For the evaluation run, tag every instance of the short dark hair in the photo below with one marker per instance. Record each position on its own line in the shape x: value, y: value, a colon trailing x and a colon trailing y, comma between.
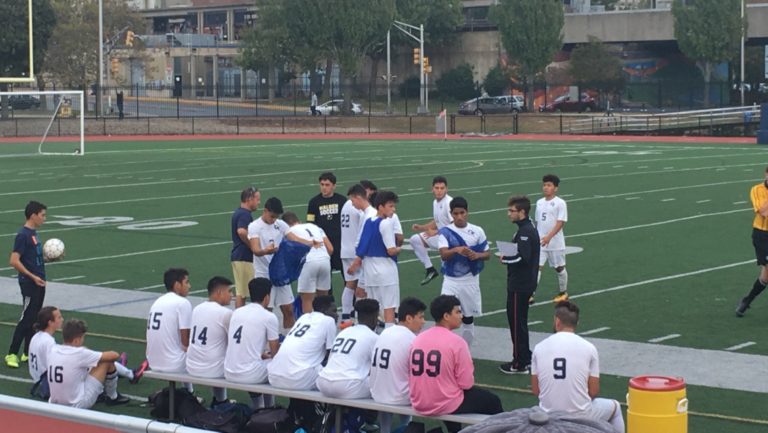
x: 520, y: 202
x: 321, y: 304
x: 439, y: 179
x: 551, y: 178
x: 43, y: 317
x: 410, y: 307
x: 259, y: 288
x: 34, y: 207
x: 372, y: 198
x: 216, y: 282
x: 290, y: 218
x: 274, y: 205
x: 384, y: 197
x: 357, y: 190
x: 366, y: 309
x: 568, y: 313
x: 367, y: 184
x: 442, y: 305
x: 172, y: 276
x: 459, y: 202
x: 73, y: 328
x: 247, y: 193
x: 327, y: 176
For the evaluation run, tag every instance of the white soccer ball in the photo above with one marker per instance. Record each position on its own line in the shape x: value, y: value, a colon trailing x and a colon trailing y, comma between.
x: 53, y: 249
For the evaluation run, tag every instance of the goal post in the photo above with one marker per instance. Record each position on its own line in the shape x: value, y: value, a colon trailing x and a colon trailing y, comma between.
x: 52, y: 121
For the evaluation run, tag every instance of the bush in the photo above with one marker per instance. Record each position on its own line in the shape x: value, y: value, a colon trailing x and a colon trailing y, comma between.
x: 412, y: 85
x: 496, y: 82
x: 457, y: 83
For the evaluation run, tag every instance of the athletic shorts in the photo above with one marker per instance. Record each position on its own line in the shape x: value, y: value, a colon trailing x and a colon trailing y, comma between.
x: 388, y: 296
x: 258, y: 375
x: 243, y: 273
x: 91, y: 392
x: 280, y: 295
x: 430, y: 241
x: 346, y: 389
x: 300, y: 380
x: 468, y: 292
x: 345, y: 264
x: 603, y: 409
x: 760, y: 241
x: 556, y: 258
x: 315, y: 275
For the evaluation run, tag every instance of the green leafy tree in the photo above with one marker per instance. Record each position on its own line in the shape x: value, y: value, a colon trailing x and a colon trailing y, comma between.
x: 708, y: 32
x: 593, y: 66
x: 530, y: 33
x: 496, y: 81
x: 457, y: 83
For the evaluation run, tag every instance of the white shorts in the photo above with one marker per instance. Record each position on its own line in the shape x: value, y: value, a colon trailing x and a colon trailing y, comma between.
x: 91, y: 392
x: 347, y: 389
x: 302, y: 380
x: 280, y: 295
x: 345, y: 264
x: 556, y: 258
x: 315, y: 275
x: 468, y: 292
x: 431, y: 241
x: 388, y: 296
x: 603, y: 409
x: 258, y: 375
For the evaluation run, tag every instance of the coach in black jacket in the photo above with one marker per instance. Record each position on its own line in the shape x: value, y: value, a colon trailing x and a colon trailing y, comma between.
x: 522, y: 273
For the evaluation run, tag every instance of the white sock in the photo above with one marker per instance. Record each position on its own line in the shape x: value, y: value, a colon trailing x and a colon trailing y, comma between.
x: 562, y: 279
x: 538, y: 278
x: 420, y: 250
x: 347, y: 300
x: 257, y: 400
x: 269, y: 400
x: 468, y: 333
x: 220, y: 394
x: 189, y: 386
x: 110, y: 385
x: 123, y: 371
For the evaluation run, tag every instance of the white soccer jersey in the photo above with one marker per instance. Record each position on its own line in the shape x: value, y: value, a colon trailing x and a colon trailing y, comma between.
x: 305, y: 345
x: 351, y: 354
x: 311, y: 232
x: 168, y: 315
x: 208, y: 340
x: 548, y: 213
x: 382, y: 271
x: 352, y: 220
x: 267, y: 234
x: 251, y: 328
x: 38, y: 354
x: 68, y: 368
x: 391, y: 365
x: 441, y: 211
x: 563, y: 363
x: 397, y: 226
x: 472, y: 235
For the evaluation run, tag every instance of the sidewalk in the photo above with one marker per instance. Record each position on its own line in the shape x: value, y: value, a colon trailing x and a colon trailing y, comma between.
x: 713, y: 368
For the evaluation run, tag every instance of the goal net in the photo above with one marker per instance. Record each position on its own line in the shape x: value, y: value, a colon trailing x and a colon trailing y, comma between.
x: 42, y: 122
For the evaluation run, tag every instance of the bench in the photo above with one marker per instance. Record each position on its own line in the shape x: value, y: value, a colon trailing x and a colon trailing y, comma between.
x: 339, y: 403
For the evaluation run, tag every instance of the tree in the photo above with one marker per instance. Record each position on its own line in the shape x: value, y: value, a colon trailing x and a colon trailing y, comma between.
x: 457, y: 83
x: 496, y: 81
x: 530, y: 33
x: 708, y: 32
x: 593, y: 66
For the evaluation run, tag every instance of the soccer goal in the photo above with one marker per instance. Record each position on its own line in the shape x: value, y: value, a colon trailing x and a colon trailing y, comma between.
x: 42, y: 122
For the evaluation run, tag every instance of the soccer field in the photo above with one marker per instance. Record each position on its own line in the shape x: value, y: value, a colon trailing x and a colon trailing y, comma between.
x: 659, y: 234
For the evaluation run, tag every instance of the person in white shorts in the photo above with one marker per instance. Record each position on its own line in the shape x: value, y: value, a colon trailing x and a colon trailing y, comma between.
x: 463, y: 248
x: 427, y: 232
x: 391, y: 360
x: 305, y: 348
x: 565, y: 372
x: 265, y: 234
x: 78, y: 375
x: 253, y: 340
x: 315, y: 277
x: 376, y: 253
x: 551, y: 216
x: 208, y: 339
x: 352, y: 219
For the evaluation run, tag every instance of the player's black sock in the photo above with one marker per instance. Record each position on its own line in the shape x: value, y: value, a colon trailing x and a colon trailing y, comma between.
x: 757, y: 288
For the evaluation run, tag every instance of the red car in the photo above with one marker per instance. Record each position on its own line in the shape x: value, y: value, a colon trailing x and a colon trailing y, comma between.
x: 565, y: 103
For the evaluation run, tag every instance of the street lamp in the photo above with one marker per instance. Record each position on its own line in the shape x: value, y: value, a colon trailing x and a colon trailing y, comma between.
x: 408, y: 30
x: 741, y: 88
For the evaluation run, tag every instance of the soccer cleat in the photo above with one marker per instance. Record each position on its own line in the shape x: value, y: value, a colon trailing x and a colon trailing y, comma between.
x: 123, y: 359
x: 120, y: 399
x: 510, y: 368
x: 24, y: 357
x: 138, y: 372
x: 346, y: 324
x: 430, y: 275
x: 12, y: 360
x: 740, y: 310
x: 563, y: 296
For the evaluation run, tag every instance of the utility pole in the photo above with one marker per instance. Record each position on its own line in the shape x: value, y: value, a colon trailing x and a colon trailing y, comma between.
x: 741, y: 87
x: 99, y: 100
x: 410, y: 30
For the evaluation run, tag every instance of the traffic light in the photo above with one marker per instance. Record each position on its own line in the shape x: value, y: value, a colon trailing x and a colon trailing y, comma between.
x: 416, y: 56
x: 115, y: 66
x: 426, y: 63
x: 129, y: 35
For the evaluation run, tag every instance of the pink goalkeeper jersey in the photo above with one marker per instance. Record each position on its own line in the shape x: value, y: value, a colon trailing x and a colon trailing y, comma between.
x: 440, y: 370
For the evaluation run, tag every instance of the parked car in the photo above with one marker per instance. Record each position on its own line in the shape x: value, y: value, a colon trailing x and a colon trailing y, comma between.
x: 334, y: 107
x: 515, y: 102
x: 490, y: 105
x: 23, y: 102
x: 565, y: 103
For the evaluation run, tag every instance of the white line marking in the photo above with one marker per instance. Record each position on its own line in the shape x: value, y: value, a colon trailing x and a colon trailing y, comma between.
x: 740, y: 346
x: 156, y: 286
x: 740, y: 202
x: 664, y: 338
x: 284, y: 184
x: 414, y: 189
x: 642, y: 166
x: 107, y: 282
x: 703, y: 201
x: 498, y: 193
x: 474, y: 192
x: 595, y: 331
x: 668, y: 168
x: 69, y: 278
x: 618, y: 166
x: 632, y: 198
x: 638, y: 283
x: 668, y: 199
x: 535, y: 323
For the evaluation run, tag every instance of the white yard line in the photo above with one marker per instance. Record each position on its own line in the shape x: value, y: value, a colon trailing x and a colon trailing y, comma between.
x: 69, y: 278
x: 740, y: 346
x: 595, y: 331
x: 107, y: 282
x: 664, y: 338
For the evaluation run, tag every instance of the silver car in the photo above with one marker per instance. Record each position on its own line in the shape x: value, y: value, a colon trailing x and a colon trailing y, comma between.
x: 490, y: 105
x: 333, y: 107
